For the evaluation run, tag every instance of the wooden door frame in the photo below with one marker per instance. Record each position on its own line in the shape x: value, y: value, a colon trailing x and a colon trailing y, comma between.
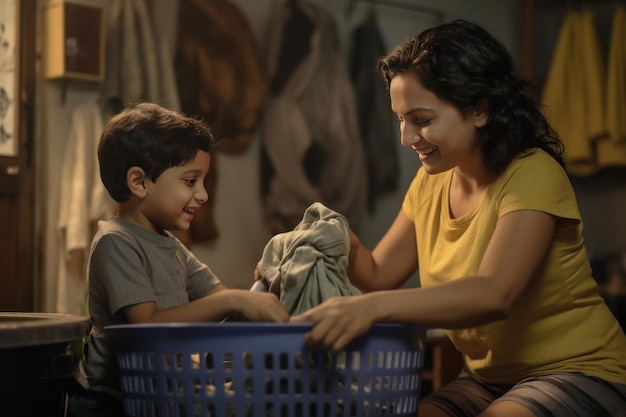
x: 27, y: 224
x: 19, y: 173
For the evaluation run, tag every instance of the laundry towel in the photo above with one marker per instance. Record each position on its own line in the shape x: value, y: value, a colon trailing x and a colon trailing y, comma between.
x: 574, y: 90
x: 611, y: 149
x: 616, y: 79
x: 83, y: 201
x: 309, y: 264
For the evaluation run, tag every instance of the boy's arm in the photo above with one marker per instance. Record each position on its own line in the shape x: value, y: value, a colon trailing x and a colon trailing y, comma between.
x: 129, y: 277
x: 215, y: 306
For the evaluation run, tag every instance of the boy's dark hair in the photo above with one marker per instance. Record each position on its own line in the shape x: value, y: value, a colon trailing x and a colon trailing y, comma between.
x: 463, y: 64
x: 152, y: 138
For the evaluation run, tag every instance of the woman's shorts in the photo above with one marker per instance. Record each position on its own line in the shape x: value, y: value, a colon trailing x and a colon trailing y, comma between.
x: 553, y: 395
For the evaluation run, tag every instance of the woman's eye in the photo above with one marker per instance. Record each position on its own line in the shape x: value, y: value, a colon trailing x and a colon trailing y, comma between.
x: 416, y: 121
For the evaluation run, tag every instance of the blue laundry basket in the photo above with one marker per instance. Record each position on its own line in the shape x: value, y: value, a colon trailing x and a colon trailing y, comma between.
x: 243, y: 369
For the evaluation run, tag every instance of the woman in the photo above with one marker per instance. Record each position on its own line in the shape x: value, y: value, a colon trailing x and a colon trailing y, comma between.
x: 492, y: 223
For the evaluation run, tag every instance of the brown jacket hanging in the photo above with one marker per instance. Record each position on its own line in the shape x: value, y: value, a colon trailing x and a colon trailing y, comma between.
x: 220, y: 78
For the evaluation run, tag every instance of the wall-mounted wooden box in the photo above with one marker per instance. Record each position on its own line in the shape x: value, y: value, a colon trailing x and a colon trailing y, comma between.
x: 73, y: 41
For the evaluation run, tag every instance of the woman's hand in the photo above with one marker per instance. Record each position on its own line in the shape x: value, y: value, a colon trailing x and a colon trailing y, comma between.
x: 337, y: 321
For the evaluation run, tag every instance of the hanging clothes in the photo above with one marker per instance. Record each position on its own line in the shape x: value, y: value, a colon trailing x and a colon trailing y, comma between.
x: 310, y: 135
x: 584, y: 100
x: 574, y: 90
x: 611, y: 149
x: 616, y: 78
x: 139, y: 64
x: 220, y: 77
x: 376, y: 120
x: 308, y: 265
x: 83, y: 201
x: 139, y: 68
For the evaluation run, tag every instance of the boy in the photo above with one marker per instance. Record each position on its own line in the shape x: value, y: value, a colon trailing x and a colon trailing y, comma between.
x: 153, y: 163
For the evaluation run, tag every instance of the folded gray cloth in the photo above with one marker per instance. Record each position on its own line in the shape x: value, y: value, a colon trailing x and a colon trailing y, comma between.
x: 308, y: 265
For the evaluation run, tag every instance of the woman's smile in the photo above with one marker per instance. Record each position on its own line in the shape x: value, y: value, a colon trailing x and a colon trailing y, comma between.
x: 425, y: 152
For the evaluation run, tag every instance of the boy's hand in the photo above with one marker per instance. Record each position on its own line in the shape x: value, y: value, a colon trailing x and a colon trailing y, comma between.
x: 257, y: 274
x: 263, y: 306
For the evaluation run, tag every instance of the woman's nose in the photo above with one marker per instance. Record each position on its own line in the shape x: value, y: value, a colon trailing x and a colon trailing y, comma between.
x: 408, y: 138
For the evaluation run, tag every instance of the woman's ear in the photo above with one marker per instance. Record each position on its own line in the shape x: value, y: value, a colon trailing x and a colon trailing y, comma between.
x: 136, y: 180
x: 481, y: 113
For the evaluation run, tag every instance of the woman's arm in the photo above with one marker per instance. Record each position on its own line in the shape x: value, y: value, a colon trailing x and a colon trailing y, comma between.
x: 517, y: 249
x: 390, y: 264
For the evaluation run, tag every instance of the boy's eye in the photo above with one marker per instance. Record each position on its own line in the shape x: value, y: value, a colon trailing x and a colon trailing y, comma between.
x: 190, y: 181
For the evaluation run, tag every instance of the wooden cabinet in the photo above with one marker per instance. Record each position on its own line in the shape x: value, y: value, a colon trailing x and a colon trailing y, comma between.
x: 74, y: 40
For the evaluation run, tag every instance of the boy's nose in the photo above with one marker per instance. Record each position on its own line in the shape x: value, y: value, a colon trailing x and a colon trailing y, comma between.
x: 202, y: 196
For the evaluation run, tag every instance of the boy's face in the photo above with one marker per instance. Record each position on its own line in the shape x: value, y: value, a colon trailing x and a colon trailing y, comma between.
x: 171, y: 200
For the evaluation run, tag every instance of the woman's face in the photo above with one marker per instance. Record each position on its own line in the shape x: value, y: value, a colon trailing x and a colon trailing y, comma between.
x: 442, y: 136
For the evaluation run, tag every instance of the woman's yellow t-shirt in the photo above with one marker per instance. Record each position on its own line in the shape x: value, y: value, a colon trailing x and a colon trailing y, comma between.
x: 560, y: 323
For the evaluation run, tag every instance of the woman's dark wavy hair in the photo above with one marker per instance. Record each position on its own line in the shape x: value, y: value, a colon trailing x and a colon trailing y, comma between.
x: 152, y: 138
x: 463, y: 64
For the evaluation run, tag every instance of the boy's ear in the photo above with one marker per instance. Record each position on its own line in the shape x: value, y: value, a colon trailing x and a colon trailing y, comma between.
x: 136, y: 180
x: 481, y: 113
